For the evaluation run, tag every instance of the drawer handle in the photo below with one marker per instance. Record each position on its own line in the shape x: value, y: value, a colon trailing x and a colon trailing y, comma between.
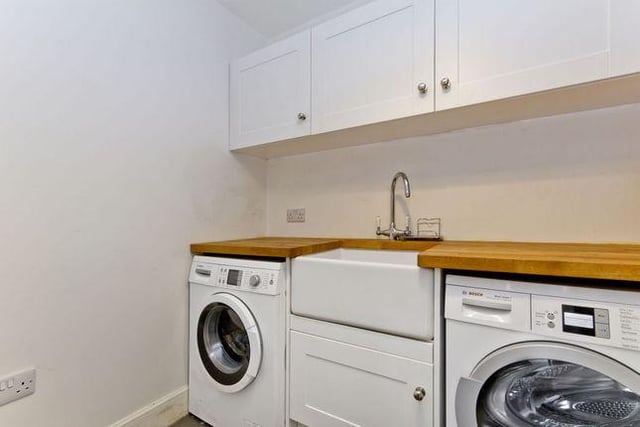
x: 500, y: 306
x: 203, y: 272
x: 419, y: 393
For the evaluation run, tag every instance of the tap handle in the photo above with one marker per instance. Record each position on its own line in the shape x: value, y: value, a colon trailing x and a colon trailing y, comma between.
x: 407, y: 229
x: 378, y: 229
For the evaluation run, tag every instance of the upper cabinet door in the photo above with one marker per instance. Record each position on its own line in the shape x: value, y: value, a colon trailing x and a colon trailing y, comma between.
x: 494, y: 49
x: 625, y: 37
x: 270, y: 93
x: 373, y: 64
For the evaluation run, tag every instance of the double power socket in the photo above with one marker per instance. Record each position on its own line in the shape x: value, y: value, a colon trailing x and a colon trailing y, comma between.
x: 296, y: 215
x: 17, y: 386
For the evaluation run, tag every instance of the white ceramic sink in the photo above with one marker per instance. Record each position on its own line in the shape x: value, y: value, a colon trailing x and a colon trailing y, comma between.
x: 408, y: 258
x: 379, y: 290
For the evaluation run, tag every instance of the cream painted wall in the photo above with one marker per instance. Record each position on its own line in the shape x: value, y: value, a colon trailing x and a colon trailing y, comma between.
x: 574, y: 177
x: 113, y: 158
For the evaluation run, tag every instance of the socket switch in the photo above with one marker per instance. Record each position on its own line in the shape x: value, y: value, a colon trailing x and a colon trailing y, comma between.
x: 295, y: 215
x: 17, y: 386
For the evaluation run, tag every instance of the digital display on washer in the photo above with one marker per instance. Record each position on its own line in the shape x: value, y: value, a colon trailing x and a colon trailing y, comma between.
x: 578, y: 320
x: 234, y: 277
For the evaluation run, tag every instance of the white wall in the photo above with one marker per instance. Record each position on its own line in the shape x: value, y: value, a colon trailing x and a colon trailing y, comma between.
x: 566, y: 178
x: 113, y: 133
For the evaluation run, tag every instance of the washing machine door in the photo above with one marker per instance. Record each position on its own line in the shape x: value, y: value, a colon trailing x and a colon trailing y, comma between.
x: 548, y: 384
x: 229, y: 342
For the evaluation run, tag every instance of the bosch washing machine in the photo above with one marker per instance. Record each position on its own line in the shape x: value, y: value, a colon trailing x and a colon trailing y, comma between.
x: 533, y: 354
x: 237, y: 338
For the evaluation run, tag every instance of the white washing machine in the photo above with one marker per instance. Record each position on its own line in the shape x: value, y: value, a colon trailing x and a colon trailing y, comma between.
x: 237, y: 338
x: 530, y: 354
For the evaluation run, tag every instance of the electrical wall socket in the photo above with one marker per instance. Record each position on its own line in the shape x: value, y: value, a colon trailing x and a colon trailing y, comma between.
x: 295, y: 215
x: 17, y: 386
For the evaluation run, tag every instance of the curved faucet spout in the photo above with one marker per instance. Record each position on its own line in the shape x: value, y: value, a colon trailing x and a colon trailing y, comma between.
x: 405, y: 181
x: 393, y: 231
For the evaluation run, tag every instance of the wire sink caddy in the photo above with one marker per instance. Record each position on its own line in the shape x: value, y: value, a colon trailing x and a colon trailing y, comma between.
x: 429, y: 228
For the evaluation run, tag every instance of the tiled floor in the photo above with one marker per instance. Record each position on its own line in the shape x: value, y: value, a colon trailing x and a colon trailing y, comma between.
x: 190, y: 421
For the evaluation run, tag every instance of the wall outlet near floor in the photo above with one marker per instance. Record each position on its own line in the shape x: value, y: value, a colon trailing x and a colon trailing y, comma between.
x: 295, y: 215
x: 17, y: 386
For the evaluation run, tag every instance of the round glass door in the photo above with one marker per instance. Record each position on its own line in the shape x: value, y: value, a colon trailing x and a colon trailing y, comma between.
x: 543, y: 392
x: 540, y: 383
x: 229, y: 343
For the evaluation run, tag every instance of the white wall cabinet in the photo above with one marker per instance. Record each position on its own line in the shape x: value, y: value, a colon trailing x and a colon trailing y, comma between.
x: 335, y: 384
x: 270, y: 93
x: 373, y: 64
x: 497, y: 49
x: 398, y: 59
x: 625, y: 37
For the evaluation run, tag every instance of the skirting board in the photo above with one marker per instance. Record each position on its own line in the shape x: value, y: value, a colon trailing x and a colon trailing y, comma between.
x: 162, y: 412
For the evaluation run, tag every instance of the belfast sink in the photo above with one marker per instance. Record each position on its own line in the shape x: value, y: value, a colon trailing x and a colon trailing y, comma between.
x: 379, y: 290
x: 405, y: 258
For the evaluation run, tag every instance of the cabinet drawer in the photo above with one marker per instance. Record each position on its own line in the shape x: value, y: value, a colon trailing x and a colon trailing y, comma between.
x: 338, y: 384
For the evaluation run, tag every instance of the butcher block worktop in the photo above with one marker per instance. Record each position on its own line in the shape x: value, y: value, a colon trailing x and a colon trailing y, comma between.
x: 595, y: 261
x: 290, y: 247
x: 283, y: 247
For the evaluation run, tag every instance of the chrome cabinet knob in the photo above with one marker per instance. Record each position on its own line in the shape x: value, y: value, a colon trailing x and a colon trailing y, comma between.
x: 419, y: 393
x: 445, y: 83
x: 422, y: 88
x: 302, y: 116
x: 254, y: 280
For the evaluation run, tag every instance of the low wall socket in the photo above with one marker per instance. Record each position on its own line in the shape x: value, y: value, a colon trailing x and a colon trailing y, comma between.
x: 295, y: 215
x: 17, y: 386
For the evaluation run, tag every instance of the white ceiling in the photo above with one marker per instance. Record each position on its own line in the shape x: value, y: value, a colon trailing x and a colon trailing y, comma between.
x: 273, y: 18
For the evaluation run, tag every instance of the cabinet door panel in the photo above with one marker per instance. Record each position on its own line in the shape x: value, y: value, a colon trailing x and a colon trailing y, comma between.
x: 625, y: 37
x: 368, y: 63
x: 338, y: 384
x: 501, y: 48
x: 269, y: 88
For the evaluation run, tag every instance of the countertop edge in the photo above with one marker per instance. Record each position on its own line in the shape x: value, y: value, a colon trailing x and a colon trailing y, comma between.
x: 222, y: 248
x: 594, y: 269
x: 607, y: 261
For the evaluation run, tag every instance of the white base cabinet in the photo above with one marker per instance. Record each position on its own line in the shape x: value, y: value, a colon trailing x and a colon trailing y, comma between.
x: 353, y: 379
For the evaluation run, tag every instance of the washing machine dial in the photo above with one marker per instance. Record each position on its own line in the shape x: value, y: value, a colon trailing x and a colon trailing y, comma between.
x: 254, y: 280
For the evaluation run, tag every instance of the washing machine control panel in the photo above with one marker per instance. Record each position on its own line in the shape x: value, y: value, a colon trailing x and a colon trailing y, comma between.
x: 248, y: 279
x: 244, y: 278
x: 616, y: 325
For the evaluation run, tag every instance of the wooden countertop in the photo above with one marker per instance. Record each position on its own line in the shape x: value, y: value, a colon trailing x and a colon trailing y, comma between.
x: 282, y: 247
x: 290, y: 247
x: 386, y: 244
x: 595, y: 261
